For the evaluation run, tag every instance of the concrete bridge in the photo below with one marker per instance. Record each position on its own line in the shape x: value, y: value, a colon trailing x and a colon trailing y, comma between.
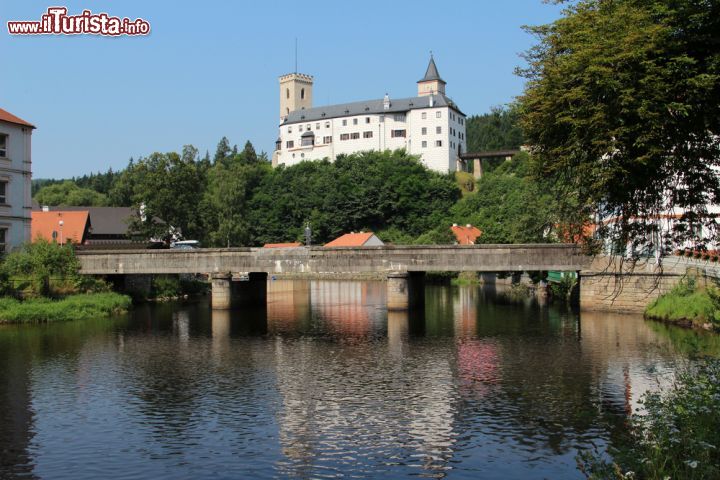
x: 404, y: 266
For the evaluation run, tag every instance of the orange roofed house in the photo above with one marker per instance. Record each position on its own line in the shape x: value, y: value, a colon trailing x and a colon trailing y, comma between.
x: 362, y: 239
x: 465, y: 235
x: 61, y: 226
x: 283, y: 245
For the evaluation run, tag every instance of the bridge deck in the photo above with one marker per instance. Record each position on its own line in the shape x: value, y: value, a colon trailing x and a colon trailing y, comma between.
x: 427, y: 258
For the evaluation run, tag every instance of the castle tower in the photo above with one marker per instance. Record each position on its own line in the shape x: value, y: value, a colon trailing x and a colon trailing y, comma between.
x: 295, y: 93
x: 431, y: 83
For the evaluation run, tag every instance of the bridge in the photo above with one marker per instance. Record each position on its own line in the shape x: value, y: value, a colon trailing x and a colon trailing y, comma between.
x: 404, y: 266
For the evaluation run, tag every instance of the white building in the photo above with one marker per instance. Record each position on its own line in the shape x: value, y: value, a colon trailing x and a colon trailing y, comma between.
x: 15, y: 180
x: 429, y: 125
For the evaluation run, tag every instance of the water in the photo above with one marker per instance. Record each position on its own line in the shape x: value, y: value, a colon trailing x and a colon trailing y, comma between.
x: 325, y: 383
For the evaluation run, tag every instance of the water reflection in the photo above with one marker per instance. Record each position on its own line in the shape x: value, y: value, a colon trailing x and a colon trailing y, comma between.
x: 325, y: 382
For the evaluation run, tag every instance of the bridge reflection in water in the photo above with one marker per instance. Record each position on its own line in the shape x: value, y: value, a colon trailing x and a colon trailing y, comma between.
x: 324, y: 381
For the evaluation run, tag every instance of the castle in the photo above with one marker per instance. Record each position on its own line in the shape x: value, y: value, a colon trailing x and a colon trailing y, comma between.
x: 429, y: 125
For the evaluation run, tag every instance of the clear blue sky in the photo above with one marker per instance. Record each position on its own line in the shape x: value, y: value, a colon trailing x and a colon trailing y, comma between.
x: 210, y: 69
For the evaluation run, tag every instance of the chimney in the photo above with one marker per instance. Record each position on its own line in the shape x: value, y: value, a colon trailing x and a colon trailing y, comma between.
x: 432, y: 100
x: 386, y: 102
x: 45, y: 208
x: 468, y: 225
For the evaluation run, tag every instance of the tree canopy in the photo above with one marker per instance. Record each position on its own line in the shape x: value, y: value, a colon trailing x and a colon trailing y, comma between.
x: 622, y: 109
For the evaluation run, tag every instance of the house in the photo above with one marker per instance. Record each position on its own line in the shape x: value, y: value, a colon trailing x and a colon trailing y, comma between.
x: 61, y: 226
x: 465, y: 235
x: 283, y: 245
x: 361, y: 239
x: 15, y: 180
x: 429, y: 125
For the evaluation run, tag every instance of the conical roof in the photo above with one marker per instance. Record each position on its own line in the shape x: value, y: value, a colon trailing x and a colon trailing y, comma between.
x: 431, y: 73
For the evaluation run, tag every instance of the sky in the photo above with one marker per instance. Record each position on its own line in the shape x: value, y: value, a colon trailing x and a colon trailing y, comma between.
x: 210, y: 69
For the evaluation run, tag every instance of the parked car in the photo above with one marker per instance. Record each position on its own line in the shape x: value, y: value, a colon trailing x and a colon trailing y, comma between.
x: 185, y: 244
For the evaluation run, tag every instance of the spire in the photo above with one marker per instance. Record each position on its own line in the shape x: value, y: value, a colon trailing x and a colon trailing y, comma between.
x: 431, y: 73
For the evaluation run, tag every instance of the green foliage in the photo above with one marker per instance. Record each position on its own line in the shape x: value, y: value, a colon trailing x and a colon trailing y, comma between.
x: 687, y: 303
x: 508, y: 207
x: 562, y: 290
x: 76, y: 307
x: 172, y: 286
x: 622, y: 106
x: 677, y: 437
x: 68, y: 193
x: 497, y: 130
x: 39, y: 261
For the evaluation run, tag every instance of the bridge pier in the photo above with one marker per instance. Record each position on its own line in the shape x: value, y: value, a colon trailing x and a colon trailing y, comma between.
x: 405, y: 290
x: 227, y: 294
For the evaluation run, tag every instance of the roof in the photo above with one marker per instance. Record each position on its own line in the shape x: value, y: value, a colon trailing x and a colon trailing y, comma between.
x: 75, y: 224
x: 365, y: 107
x: 351, y: 240
x: 6, y: 116
x: 466, y: 235
x: 283, y: 245
x: 431, y: 74
x: 105, y: 220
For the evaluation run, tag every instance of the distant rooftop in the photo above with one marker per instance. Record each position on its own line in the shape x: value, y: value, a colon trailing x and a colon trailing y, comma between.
x: 6, y: 116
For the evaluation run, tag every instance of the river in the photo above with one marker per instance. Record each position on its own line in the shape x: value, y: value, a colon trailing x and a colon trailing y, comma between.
x: 325, y: 383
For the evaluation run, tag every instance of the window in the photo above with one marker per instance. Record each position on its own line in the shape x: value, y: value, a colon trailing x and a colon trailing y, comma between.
x: 344, y: 136
x: 424, y: 130
x: 438, y: 143
x: 327, y: 124
x: 289, y: 144
x: 3, y: 191
x: 287, y: 93
x: 400, y: 117
x: 344, y: 123
x: 302, y: 94
x: 354, y: 121
x: 397, y: 133
x: 307, y: 127
x: 3, y: 146
x: 3, y: 235
x: 424, y: 144
x: 317, y: 126
x: 438, y: 129
x: 367, y: 119
x: 302, y: 155
x: 368, y: 134
x: 355, y: 136
x: 307, y: 141
x: 327, y: 140
x: 289, y: 129
x: 424, y: 115
x: 438, y: 114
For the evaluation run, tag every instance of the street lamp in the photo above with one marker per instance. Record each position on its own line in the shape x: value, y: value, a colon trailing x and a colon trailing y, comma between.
x: 308, y: 234
x: 61, y: 223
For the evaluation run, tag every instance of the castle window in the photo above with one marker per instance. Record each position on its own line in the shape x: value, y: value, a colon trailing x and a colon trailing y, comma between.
x: 307, y: 127
x: 367, y: 119
x: 327, y: 124
x: 327, y: 140
x: 424, y: 115
x: 438, y: 129
x: 424, y: 130
x: 354, y: 121
x: 355, y: 135
x: 287, y: 93
x: 3, y: 192
x: 438, y: 114
x: 438, y: 143
x: 307, y: 141
x: 302, y: 94
x: 302, y: 155
x: 289, y: 129
x: 424, y: 144
x: 399, y: 117
x: 344, y: 136
x: 344, y: 123
x: 317, y: 126
x: 368, y: 134
x: 3, y: 146
x: 397, y: 133
x: 3, y: 236
x: 289, y: 144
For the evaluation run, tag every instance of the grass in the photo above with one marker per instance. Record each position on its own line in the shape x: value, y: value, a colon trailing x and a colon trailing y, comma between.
x: 74, y: 307
x: 688, y: 305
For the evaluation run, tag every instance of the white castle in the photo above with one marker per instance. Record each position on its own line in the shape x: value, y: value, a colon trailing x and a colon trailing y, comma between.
x: 429, y: 125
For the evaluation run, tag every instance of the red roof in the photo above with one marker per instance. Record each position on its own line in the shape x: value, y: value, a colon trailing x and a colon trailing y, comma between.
x: 75, y: 225
x: 282, y: 245
x: 6, y: 116
x: 351, y: 240
x: 466, y: 235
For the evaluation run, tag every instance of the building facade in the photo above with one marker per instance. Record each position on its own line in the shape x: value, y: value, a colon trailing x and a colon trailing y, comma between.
x: 15, y: 181
x: 429, y: 125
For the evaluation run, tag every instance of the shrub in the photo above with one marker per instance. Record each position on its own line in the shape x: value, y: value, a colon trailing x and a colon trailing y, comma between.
x: 75, y: 307
x: 687, y: 303
x: 678, y: 436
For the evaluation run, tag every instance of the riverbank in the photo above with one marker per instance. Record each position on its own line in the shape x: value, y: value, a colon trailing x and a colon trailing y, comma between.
x: 73, y: 307
x: 689, y: 304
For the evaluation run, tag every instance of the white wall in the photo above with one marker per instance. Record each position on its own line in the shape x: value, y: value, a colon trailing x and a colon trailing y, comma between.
x: 15, y: 170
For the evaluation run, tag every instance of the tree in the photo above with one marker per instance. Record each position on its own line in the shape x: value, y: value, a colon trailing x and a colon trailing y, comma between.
x: 497, y: 130
x: 622, y: 109
x: 68, y: 193
x: 222, y: 151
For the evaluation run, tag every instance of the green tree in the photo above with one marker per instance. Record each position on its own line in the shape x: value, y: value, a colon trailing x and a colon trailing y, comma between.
x: 68, y: 193
x: 223, y: 150
x: 622, y: 108
x: 41, y: 261
x: 497, y: 130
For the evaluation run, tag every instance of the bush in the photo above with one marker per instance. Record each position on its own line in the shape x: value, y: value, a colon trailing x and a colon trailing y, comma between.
x: 35, y: 264
x: 678, y: 436
x: 75, y: 307
x: 687, y: 303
